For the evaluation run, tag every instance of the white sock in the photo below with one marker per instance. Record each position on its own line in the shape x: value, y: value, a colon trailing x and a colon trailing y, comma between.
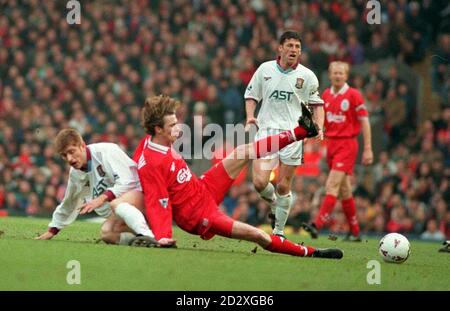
x: 133, y: 218
x: 283, y: 206
x: 268, y: 195
x: 125, y: 238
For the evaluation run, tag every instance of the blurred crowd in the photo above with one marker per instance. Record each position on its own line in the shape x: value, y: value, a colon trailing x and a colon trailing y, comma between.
x: 95, y: 76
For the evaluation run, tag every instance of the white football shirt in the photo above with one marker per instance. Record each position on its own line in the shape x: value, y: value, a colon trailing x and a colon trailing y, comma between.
x: 109, y: 170
x: 281, y: 92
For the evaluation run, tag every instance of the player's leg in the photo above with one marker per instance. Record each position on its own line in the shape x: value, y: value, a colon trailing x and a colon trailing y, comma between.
x: 333, y: 183
x: 242, y: 154
x: 129, y: 207
x: 332, y: 186
x: 263, y: 147
x: 283, y: 197
x: 115, y: 231
x: 220, y: 224
x: 277, y: 244
x: 348, y: 205
x: 271, y: 144
x: 262, y: 169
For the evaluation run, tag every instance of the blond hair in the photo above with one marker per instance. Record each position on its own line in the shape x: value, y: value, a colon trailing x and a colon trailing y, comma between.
x: 66, y: 138
x: 340, y: 63
x: 155, y: 109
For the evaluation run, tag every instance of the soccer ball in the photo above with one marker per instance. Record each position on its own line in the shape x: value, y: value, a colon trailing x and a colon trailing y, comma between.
x: 394, y: 247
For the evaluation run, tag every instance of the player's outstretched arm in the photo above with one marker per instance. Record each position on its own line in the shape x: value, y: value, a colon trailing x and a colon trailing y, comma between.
x: 66, y: 212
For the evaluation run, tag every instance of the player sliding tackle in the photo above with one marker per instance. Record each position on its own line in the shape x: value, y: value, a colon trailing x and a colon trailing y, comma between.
x: 102, y: 178
x: 172, y: 191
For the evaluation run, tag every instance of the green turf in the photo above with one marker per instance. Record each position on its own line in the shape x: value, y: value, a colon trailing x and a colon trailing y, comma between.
x: 219, y: 264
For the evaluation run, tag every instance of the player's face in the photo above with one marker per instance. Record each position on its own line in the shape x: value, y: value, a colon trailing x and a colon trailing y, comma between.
x: 171, y: 130
x: 290, y: 52
x: 338, y: 76
x: 75, y: 155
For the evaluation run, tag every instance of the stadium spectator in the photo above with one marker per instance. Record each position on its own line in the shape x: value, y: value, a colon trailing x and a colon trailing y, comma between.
x: 432, y: 233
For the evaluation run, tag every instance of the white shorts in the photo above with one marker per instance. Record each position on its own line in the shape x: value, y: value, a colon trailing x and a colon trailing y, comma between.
x: 289, y: 155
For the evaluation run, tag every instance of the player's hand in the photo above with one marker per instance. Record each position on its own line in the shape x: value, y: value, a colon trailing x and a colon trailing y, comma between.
x: 367, y: 157
x: 92, y: 205
x: 249, y: 122
x: 45, y: 236
x: 167, y: 242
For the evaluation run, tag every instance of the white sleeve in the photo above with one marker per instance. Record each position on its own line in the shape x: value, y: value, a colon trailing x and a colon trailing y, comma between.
x: 124, y: 171
x: 254, y: 88
x: 313, y: 90
x: 66, y: 212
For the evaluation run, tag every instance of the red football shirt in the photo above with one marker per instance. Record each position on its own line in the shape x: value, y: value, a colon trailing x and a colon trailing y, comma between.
x: 170, y: 189
x: 343, y: 112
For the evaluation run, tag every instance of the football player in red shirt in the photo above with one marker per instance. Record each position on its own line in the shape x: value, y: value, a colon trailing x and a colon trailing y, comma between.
x: 345, y: 116
x: 172, y: 191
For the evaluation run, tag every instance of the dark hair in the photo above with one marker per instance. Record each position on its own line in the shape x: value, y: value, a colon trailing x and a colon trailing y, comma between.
x: 155, y: 109
x: 290, y: 34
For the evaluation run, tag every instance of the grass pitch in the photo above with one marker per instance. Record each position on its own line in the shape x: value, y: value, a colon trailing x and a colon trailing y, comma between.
x: 218, y: 264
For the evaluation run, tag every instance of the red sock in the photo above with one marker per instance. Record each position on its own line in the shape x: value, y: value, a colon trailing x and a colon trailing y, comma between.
x: 348, y: 206
x: 325, y: 210
x: 271, y: 144
x: 281, y: 245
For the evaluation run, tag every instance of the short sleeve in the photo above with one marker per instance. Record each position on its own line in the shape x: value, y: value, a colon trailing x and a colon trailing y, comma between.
x: 360, y: 107
x: 313, y: 90
x: 254, y: 88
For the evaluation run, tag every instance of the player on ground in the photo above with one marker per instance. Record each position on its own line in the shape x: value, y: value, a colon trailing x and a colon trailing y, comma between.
x: 346, y: 114
x: 102, y: 178
x: 281, y: 86
x: 172, y: 192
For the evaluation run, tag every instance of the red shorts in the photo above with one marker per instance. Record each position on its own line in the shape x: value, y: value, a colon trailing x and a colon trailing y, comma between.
x: 342, y: 153
x: 214, y: 221
x: 217, y: 181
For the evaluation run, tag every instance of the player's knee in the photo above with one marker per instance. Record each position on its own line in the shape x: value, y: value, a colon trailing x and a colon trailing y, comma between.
x: 345, y: 193
x: 283, y: 187
x: 107, y: 236
x: 106, y: 232
x: 113, y: 204
x: 332, y: 186
x: 260, y: 182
